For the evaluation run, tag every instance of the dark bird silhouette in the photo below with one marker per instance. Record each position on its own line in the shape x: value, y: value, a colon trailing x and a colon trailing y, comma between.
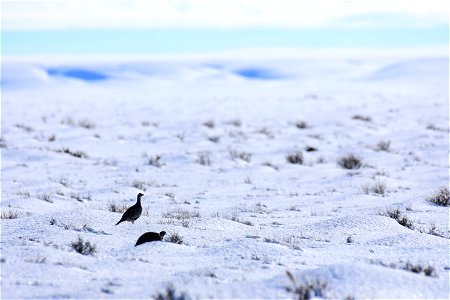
x: 134, y: 212
x: 150, y: 237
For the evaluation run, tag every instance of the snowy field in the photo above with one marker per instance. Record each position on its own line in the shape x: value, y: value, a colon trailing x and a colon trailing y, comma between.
x: 208, y: 140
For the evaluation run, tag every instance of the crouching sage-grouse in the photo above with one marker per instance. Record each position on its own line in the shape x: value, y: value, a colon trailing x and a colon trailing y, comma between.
x: 150, y: 237
x: 134, y: 212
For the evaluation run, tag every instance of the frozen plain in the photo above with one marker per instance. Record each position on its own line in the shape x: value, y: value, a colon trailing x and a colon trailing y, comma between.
x: 223, y: 127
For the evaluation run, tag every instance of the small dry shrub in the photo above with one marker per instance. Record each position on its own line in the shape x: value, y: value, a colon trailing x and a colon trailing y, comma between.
x: 245, y: 156
x: 306, y: 290
x: 143, y: 185
x: 399, y: 217
x: 214, y: 139
x: 85, y: 123
x: 78, y: 154
x: 378, y: 187
x: 9, y: 214
x: 435, y: 128
x: 85, y: 248
x: 441, y: 197
x: 428, y: 270
x: 25, y: 127
x: 310, y: 149
x: 79, y: 197
x: 182, y: 216
x: 174, y: 238
x: 155, y: 161
x: 295, y: 158
x: 418, y: 268
x: 204, y: 158
x: 3, y: 143
x: 209, y: 124
x: 383, y: 146
x: 265, y: 131
x: 25, y: 194
x: 270, y: 165
x: 301, y: 125
x: 350, y: 162
x: 47, y: 197
x: 236, y: 122
x: 362, y: 118
x: 171, y: 294
x: 119, y: 208
x: 65, y: 182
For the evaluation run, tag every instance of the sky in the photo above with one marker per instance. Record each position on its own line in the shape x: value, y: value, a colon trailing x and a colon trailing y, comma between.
x: 176, y: 26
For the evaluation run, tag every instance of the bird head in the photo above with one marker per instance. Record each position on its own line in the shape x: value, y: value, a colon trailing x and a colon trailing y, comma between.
x: 162, y: 234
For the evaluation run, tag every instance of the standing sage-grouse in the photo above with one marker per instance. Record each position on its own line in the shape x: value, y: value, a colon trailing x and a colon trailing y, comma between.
x: 134, y: 212
x: 150, y: 237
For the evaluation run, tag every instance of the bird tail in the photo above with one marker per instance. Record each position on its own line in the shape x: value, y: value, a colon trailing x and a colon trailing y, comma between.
x: 119, y: 222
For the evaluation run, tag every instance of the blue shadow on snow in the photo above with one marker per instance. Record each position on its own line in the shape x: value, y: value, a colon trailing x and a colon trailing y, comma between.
x: 81, y: 74
x: 258, y: 73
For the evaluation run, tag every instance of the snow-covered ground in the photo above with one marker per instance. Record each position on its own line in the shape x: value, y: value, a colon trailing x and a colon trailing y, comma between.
x: 223, y: 127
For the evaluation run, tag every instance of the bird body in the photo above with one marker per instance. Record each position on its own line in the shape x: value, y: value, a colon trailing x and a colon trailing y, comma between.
x: 150, y: 237
x: 132, y: 213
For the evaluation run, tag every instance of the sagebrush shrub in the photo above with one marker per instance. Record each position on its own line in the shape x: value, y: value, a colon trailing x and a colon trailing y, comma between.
x: 85, y: 248
x: 9, y: 214
x: 155, y: 161
x: 350, y: 162
x: 174, y: 238
x: 399, y: 217
x: 306, y: 290
x: 171, y: 294
x: 441, y: 197
x: 383, y: 146
x: 204, y: 158
x: 295, y: 158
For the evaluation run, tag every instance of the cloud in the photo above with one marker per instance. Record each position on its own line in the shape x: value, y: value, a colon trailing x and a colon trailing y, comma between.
x: 152, y: 14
